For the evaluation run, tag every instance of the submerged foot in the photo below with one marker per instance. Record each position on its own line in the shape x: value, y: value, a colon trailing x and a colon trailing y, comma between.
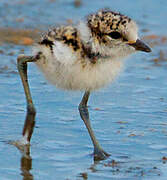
x: 22, y: 145
x: 100, y: 154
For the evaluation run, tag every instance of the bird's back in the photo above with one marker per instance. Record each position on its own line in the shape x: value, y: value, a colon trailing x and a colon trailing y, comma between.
x: 67, y: 35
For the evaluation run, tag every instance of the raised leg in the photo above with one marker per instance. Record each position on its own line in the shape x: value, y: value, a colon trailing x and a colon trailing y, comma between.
x: 99, y: 153
x: 30, y: 117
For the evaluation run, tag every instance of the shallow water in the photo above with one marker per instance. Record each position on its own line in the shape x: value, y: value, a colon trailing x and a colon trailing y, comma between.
x: 129, y: 117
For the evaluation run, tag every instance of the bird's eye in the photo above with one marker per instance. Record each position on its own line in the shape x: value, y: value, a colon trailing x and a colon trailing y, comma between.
x: 115, y: 35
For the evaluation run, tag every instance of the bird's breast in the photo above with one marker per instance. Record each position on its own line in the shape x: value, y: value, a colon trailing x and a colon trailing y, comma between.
x: 79, y: 75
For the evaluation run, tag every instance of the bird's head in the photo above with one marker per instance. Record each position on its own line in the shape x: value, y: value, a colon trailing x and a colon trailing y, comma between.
x: 114, y: 34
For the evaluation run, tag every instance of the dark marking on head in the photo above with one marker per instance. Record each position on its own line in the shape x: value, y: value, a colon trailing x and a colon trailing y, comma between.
x: 123, y: 22
x: 104, y: 41
x: 102, y: 19
x: 104, y: 22
x: 111, y: 26
x: 74, y: 34
x: 118, y: 22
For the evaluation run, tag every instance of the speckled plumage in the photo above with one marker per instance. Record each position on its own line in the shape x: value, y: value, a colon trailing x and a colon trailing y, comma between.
x: 85, y: 56
x: 105, y: 22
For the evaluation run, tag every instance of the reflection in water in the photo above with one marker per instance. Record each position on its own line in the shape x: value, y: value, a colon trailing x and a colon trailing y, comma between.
x: 123, y: 167
x: 25, y: 161
x: 92, y: 168
x: 26, y: 164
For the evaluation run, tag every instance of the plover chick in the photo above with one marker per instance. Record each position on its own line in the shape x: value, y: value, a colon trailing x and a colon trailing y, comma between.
x: 84, y: 57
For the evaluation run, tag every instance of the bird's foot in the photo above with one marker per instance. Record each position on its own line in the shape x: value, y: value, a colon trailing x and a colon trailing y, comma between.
x: 100, y: 154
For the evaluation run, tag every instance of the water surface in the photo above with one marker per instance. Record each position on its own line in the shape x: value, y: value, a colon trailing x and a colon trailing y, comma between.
x: 129, y: 117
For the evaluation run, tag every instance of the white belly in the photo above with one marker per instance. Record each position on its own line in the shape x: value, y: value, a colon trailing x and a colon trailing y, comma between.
x: 73, y: 76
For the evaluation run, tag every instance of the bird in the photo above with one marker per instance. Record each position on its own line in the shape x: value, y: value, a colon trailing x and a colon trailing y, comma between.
x: 85, y: 56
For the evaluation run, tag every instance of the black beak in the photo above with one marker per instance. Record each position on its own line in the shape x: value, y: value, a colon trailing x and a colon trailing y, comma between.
x: 140, y: 46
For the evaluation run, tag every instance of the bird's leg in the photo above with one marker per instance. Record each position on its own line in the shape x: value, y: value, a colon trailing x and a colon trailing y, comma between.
x: 99, y: 153
x: 30, y: 117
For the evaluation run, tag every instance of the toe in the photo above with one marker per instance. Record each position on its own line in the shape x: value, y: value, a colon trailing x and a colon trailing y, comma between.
x: 100, y: 154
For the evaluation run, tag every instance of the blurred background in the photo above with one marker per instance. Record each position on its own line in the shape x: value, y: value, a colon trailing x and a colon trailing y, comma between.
x: 129, y: 117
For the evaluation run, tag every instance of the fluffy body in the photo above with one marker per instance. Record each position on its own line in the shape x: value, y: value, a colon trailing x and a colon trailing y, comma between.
x: 85, y: 56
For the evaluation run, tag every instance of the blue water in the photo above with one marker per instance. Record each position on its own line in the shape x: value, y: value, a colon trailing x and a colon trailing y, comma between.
x: 129, y: 117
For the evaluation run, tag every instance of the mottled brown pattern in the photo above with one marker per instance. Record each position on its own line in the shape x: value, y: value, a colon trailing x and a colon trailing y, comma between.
x: 104, y: 22
x: 68, y: 35
x: 101, y: 25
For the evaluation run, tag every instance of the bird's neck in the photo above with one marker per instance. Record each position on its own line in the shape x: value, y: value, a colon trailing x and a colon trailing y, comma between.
x: 90, y: 50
